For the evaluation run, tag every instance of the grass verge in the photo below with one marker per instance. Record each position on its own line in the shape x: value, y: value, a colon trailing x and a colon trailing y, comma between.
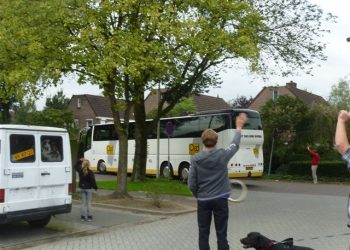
x: 151, y: 185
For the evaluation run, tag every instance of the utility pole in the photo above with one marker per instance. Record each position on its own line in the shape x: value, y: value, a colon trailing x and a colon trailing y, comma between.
x: 158, y: 134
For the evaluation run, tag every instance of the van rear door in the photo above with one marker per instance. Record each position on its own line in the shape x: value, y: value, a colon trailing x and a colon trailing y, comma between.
x: 54, y: 169
x: 21, y: 172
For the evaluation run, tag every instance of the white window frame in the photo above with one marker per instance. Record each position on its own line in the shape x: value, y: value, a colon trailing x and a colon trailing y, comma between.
x: 275, y: 94
x: 89, y: 122
x: 78, y: 103
x: 76, y: 122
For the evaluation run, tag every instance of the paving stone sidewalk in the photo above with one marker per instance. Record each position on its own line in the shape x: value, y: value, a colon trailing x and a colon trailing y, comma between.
x: 317, y: 221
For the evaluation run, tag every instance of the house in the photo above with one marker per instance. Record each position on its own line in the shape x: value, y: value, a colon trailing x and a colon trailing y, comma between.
x: 90, y: 109
x: 201, y: 102
x: 290, y: 89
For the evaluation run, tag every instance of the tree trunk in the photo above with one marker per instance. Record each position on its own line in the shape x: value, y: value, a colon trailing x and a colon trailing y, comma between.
x: 140, y: 159
x: 122, y: 129
x: 5, y: 113
x: 121, y: 189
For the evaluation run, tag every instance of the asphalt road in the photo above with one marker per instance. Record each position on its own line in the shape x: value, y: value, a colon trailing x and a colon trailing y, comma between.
x: 20, y: 235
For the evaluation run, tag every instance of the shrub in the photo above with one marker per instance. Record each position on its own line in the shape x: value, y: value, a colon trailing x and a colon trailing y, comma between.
x: 325, y: 168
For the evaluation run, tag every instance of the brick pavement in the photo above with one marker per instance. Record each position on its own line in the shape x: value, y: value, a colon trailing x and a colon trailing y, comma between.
x: 317, y: 221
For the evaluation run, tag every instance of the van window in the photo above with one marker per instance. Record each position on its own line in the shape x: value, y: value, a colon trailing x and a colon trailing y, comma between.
x: 51, y: 148
x: 22, y: 148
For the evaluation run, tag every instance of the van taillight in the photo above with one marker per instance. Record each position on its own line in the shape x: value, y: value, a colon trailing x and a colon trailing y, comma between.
x: 70, y: 188
x: 2, y: 195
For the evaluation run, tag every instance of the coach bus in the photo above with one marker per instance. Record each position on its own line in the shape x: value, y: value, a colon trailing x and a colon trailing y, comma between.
x: 180, y: 137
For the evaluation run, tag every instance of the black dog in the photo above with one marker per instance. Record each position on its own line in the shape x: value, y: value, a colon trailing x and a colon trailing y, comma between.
x: 260, y: 242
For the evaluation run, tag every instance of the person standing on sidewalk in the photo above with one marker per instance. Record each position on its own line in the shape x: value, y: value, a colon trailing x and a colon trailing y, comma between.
x: 209, y: 183
x: 87, y: 183
x: 315, y: 160
x: 342, y: 144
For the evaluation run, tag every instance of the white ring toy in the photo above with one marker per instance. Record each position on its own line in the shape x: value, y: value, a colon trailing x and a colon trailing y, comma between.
x: 244, y: 191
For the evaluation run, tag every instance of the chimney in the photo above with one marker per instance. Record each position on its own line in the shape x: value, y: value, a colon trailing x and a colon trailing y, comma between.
x: 291, y: 84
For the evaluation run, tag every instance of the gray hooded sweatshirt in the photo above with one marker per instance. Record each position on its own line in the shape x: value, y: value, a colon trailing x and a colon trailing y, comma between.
x: 208, y: 178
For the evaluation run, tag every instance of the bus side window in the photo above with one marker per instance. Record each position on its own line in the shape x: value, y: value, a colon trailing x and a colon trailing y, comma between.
x: 186, y: 128
x: 219, y: 122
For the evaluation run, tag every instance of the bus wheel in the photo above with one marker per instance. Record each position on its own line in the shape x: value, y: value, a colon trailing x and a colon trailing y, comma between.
x: 101, y: 167
x: 166, y: 171
x: 40, y: 222
x: 184, y: 172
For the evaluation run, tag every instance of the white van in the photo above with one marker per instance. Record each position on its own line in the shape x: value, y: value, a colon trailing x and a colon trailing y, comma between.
x: 35, y: 173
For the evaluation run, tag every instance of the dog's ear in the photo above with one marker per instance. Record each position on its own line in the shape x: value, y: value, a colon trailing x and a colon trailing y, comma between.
x: 253, y: 234
x: 263, y: 241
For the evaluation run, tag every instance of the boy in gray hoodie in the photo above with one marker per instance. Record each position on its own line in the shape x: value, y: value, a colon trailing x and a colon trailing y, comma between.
x: 209, y: 183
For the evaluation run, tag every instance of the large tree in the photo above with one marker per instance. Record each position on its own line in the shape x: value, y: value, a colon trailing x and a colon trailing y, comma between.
x: 275, y: 37
x: 281, y: 119
x: 25, y: 52
x: 130, y: 46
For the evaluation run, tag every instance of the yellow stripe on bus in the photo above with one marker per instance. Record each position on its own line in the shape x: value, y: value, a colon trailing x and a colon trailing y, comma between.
x: 154, y: 172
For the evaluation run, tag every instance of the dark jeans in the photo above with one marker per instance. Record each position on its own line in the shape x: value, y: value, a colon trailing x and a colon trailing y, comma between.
x: 205, y: 209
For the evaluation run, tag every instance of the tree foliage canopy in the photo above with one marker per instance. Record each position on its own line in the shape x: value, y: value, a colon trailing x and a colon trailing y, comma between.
x: 26, y: 113
x: 57, y: 101
x: 130, y: 46
x: 340, y: 95
x: 241, y: 102
x: 284, y: 113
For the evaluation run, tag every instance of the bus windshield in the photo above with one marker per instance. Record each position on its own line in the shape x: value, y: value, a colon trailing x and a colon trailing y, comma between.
x: 253, y: 123
x: 84, y: 141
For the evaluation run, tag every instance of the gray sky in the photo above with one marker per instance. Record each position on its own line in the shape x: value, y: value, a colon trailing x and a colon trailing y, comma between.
x: 240, y: 82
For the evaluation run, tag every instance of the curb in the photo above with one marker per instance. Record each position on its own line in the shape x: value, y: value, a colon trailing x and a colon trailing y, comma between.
x: 144, y: 211
x: 140, y: 210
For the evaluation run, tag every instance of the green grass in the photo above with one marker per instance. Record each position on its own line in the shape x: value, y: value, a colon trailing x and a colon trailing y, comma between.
x: 176, y: 187
x: 152, y: 185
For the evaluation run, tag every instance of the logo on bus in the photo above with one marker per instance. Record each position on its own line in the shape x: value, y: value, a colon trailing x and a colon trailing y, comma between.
x: 256, y: 151
x: 109, y: 149
x: 193, y: 148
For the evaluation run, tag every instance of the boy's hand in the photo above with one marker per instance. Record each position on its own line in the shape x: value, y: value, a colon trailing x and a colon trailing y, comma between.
x: 343, y: 116
x: 241, y: 119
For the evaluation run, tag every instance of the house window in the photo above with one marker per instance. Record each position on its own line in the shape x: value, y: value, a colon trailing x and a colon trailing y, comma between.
x: 89, y: 122
x: 76, y: 122
x: 274, y: 95
x: 78, y: 103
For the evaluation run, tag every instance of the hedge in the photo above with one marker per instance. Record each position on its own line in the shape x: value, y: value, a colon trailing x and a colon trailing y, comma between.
x: 325, y: 168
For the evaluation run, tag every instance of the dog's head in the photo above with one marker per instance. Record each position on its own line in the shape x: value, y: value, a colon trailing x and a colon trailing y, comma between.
x: 255, y: 240
x: 50, y: 151
x: 45, y: 146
